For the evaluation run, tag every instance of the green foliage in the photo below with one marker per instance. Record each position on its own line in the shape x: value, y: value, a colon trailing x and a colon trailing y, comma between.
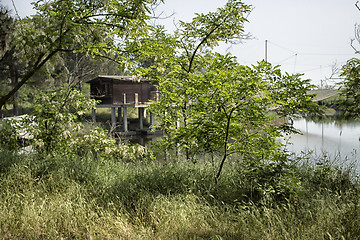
x: 176, y: 55
x: 208, y: 30
x: 99, y: 144
x: 95, y: 142
x: 288, y: 92
x: 208, y: 102
x: 99, y: 28
x: 77, y: 197
x: 325, y: 174
x: 273, y: 182
x: 8, y: 136
x: 55, y: 129
x: 350, y: 88
x: 225, y: 108
x: 55, y: 118
x: 6, y: 28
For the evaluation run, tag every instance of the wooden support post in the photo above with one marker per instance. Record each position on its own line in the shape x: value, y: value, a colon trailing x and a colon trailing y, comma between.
x: 119, y: 115
x: 136, y: 98
x: 141, y: 118
x: 93, y: 114
x: 151, y: 119
x: 113, y: 118
x: 124, y: 98
x: 142, y: 141
x: 125, y: 119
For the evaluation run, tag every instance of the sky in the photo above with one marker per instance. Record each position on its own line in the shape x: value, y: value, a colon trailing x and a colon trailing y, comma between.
x: 303, y: 36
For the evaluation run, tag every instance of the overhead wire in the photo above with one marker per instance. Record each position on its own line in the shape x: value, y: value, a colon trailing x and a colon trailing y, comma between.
x: 279, y: 46
x: 16, y: 11
x: 284, y: 60
x: 296, y: 54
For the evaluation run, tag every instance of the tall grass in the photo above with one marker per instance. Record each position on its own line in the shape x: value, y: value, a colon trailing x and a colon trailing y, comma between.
x: 79, y: 198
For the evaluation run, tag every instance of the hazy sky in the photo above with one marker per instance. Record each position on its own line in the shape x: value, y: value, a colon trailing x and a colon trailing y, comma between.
x: 304, y: 36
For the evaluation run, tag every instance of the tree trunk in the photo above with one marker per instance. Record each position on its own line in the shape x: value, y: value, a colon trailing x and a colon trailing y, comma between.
x: 226, y: 140
x: 14, y: 81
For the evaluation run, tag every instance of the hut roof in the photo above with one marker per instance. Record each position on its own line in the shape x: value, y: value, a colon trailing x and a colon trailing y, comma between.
x: 119, y: 78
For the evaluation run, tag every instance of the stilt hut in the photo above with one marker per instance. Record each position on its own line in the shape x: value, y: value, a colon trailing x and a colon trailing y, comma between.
x: 122, y: 92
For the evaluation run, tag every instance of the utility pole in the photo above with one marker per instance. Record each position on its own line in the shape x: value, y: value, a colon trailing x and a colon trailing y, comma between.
x: 266, y: 43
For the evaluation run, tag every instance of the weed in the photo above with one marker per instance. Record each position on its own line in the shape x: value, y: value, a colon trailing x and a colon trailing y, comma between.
x: 80, y: 198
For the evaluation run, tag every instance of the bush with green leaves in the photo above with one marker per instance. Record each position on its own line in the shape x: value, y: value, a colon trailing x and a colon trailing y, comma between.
x: 350, y: 88
x: 99, y: 144
x: 56, y: 114
x: 56, y: 128
x: 8, y: 136
x: 272, y: 182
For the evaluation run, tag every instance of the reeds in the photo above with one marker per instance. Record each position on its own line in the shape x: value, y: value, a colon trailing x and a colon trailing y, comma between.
x: 79, y: 198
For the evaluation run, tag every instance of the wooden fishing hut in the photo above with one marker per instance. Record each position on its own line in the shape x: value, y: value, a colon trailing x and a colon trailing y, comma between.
x: 122, y: 92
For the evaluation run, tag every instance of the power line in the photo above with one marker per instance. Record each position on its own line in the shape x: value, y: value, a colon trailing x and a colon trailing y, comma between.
x: 327, y: 54
x: 16, y: 11
x: 284, y: 48
x: 314, y: 69
x: 284, y: 60
x: 309, y: 54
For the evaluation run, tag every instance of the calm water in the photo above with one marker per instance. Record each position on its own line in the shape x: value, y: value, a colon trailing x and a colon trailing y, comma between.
x: 337, y: 139
x: 340, y: 140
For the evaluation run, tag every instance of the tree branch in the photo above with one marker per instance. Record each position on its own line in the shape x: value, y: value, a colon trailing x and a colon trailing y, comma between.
x: 39, y: 63
x: 200, y: 44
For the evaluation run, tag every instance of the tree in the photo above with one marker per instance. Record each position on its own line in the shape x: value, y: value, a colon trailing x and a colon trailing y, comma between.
x: 229, y: 110
x: 208, y: 102
x: 6, y: 28
x: 10, y: 65
x: 72, y: 69
x: 177, y: 57
x: 58, y: 26
x: 350, y: 87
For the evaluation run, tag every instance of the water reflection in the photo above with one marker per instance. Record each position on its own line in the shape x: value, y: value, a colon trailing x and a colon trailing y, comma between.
x: 336, y: 138
x: 142, y: 140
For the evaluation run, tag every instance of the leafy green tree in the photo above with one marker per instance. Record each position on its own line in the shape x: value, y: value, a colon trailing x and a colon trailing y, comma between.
x: 97, y: 27
x: 6, y: 28
x: 350, y: 88
x: 229, y: 107
x: 10, y: 63
x: 208, y: 102
x: 176, y: 58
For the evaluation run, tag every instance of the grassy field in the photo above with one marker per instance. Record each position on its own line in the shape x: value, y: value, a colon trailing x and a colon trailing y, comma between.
x: 79, y: 198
